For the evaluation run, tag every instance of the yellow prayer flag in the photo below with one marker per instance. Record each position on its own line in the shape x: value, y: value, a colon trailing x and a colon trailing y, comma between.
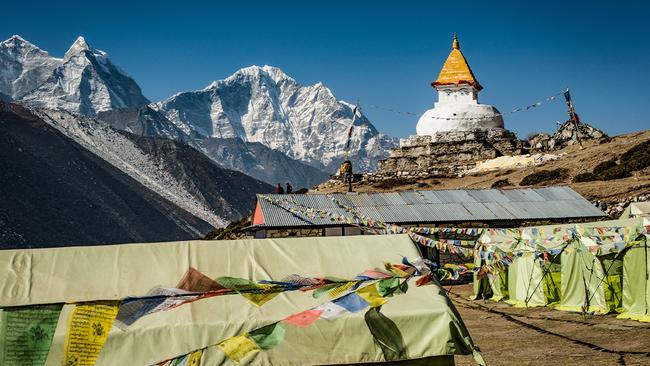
x: 87, y: 332
x: 372, y: 296
x: 238, y: 347
x: 195, y: 358
x: 261, y: 298
x: 340, y: 290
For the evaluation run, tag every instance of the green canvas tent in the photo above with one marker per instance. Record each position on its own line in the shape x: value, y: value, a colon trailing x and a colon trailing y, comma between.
x: 577, y: 267
x: 636, y: 280
x: 429, y: 326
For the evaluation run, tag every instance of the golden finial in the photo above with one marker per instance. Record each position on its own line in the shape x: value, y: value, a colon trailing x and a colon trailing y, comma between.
x: 456, y: 45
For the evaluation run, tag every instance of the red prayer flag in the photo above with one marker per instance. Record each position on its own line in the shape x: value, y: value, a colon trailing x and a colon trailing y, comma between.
x: 303, y: 319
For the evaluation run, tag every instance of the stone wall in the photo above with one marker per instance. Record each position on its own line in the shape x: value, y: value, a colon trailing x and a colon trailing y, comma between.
x: 449, y: 154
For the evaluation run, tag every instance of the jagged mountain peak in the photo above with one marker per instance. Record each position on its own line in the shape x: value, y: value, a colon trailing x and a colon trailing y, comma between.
x: 16, y: 40
x: 263, y: 104
x: 252, y: 72
x: 80, y: 45
x: 83, y: 81
x: 20, y: 47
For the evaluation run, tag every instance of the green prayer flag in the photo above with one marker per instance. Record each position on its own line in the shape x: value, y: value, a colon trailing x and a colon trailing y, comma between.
x: 386, y: 334
x: 26, y: 334
x: 324, y: 289
x: 268, y: 337
x: 388, y: 287
x: 256, y: 293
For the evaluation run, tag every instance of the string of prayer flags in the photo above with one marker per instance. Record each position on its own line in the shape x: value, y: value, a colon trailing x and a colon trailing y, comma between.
x: 87, y: 332
x: 238, y: 347
x: 26, y: 334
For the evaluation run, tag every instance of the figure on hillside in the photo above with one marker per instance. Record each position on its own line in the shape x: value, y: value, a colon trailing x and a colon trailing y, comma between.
x: 279, y: 189
x: 289, y: 188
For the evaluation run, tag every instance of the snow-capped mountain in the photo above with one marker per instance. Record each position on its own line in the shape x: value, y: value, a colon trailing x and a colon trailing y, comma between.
x: 23, y: 67
x: 83, y: 81
x: 252, y: 158
x: 265, y: 105
x: 256, y: 104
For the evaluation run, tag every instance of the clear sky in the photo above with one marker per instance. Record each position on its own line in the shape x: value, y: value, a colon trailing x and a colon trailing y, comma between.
x: 385, y: 53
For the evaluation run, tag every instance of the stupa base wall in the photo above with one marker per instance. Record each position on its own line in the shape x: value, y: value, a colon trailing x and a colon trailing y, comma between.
x: 449, y: 154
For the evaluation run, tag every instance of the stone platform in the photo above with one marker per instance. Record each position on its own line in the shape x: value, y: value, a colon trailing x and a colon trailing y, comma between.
x: 449, y: 154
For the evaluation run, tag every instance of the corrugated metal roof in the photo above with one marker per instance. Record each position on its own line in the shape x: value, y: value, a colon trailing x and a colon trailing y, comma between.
x: 438, y: 206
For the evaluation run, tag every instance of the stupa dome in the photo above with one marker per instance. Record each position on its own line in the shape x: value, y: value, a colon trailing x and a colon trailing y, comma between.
x: 457, y: 108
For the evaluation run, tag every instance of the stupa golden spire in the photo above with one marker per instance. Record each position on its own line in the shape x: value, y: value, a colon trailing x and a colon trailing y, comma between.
x: 456, y: 70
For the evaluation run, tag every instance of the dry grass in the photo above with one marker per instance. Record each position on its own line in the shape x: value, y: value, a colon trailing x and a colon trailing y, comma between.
x: 543, y: 336
x: 576, y: 160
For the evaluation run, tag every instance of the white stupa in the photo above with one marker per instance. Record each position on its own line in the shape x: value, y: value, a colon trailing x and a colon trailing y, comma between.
x: 457, y: 108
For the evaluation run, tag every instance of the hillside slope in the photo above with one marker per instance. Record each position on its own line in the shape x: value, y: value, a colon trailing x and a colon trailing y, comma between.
x: 573, y: 158
x: 56, y: 192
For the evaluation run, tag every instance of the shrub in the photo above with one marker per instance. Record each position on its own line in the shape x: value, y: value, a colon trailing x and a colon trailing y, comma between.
x: 543, y: 176
x: 615, y: 172
x: 584, y: 177
x: 638, y: 157
x: 501, y: 183
x: 604, y: 166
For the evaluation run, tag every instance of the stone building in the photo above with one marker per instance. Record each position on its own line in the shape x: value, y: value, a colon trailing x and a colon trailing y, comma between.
x: 457, y: 132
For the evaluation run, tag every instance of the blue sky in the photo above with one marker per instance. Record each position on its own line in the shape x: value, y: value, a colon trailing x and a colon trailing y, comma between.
x: 385, y: 53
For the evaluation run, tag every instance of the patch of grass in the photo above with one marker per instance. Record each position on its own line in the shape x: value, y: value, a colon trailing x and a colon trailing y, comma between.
x: 638, y: 157
x: 615, y: 172
x: 585, y: 177
x: 543, y: 176
x: 501, y: 183
x: 604, y: 166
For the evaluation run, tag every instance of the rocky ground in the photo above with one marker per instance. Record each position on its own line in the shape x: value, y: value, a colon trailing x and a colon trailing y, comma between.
x: 543, y: 336
x: 575, y: 159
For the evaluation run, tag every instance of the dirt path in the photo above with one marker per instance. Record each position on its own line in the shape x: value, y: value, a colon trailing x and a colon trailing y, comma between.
x: 543, y: 336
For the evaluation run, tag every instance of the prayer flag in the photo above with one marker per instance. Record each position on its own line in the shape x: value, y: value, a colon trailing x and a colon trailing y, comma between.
x: 258, y: 294
x: 371, y: 295
x: 304, y: 318
x: 26, y: 334
x: 238, y: 347
x: 269, y: 336
x: 87, y: 332
x: 330, y: 310
x: 157, y: 299
x: 351, y: 302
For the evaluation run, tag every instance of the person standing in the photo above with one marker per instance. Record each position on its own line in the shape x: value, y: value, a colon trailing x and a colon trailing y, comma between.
x: 289, y: 188
x: 279, y: 189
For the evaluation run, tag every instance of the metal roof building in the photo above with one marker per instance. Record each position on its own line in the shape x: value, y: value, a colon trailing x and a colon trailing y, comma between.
x: 432, y: 207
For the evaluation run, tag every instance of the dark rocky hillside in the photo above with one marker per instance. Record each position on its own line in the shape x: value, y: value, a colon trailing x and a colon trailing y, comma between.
x: 54, y: 192
x: 228, y: 192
